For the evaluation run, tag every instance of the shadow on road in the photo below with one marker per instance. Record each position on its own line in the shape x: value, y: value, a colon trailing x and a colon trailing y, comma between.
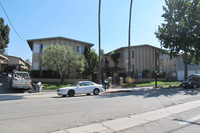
x: 154, y: 92
x: 10, y: 97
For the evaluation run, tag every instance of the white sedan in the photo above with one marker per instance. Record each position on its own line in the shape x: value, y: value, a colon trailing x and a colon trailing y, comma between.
x: 81, y: 87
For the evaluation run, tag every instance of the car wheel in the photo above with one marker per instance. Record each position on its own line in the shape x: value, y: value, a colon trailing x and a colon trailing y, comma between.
x: 71, y: 93
x: 64, y: 95
x: 88, y: 94
x: 195, y: 86
x: 96, y: 91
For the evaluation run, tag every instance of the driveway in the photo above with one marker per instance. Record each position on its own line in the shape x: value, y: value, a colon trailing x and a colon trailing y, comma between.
x: 4, y: 89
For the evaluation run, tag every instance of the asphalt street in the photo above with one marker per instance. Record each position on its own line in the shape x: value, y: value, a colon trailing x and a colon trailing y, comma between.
x: 53, y: 113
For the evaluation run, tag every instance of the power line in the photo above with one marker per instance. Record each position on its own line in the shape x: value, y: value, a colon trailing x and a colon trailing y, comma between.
x: 10, y: 22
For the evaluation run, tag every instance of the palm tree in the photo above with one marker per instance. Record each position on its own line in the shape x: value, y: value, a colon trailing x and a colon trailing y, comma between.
x: 99, y: 25
x: 129, y: 39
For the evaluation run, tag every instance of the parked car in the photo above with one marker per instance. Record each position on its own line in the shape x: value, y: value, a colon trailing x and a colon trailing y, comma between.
x: 192, y: 82
x: 81, y: 87
x: 21, y: 80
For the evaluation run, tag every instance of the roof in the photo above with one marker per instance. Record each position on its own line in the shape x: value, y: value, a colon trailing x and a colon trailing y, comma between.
x: 15, y: 57
x: 3, y: 57
x: 147, y: 45
x: 30, y: 41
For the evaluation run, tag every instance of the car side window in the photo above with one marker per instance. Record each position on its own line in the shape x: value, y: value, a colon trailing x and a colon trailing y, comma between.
x: 89, y: 83
x: 82, y: 84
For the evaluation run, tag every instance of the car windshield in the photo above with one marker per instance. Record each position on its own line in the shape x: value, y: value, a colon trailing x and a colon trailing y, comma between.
x: 21, y: 75
x: 193, y: 78
x: 75, y: 84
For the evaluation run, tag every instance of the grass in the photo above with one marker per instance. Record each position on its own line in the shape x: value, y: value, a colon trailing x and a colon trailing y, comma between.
x: 53, y: 86
x: 158, y: 83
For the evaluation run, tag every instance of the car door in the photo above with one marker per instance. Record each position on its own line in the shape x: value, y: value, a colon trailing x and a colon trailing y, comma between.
x: 90, y: 87
x: 81, y: 88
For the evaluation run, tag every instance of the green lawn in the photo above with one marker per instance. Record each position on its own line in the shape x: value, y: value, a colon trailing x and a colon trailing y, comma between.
x: 53, y: 86
x: 153, y: 83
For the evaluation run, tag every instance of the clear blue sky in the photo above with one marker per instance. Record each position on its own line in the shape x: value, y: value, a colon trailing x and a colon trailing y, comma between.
x: 78, y: 19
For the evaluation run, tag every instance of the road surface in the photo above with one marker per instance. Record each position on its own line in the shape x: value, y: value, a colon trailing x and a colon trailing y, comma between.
x: 48, y: 114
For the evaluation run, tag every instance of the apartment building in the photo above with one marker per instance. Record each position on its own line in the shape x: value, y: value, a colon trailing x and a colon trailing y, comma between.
x: 174, y: 67
x: 142, y: 58
x: 16, y: 63
x: 3, y: 63
x: 36, y: 45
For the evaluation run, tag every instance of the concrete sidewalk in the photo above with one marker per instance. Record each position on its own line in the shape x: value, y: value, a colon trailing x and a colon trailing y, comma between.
x: 17, y: 96
x: 133, y: 120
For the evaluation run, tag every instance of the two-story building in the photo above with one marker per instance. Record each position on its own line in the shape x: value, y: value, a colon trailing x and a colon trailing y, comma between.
x: 16, y: 63
x: 174, y: 67
x: 36, y: 45
x: 142, y: 58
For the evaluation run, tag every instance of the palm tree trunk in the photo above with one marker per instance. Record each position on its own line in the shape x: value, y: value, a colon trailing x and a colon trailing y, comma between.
x: 99, y: 25
x: 129, y: 40
x: 185, y: 61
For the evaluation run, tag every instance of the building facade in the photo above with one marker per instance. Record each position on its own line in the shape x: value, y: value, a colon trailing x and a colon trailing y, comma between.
x: 143, y: 57
x: 36, y: 45
x: 174, y: 67
x: 3, y: 63
x: 16, y: 63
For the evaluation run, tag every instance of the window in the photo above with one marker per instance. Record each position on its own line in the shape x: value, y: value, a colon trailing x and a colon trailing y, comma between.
x: 80, y: 49
x: 89, y: 83
x: 77, y: 48
x: 36, y: 48
x: 126, y: 54
x: 133, y: 68
x: 42, y: 46
x: 132, y: 54
x: 83, y: 84
x: 35, y: 65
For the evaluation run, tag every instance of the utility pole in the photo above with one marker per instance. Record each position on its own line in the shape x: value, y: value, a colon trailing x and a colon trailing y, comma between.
x: 99, y: 25
x: 129, y: 40
x: 156, y: 69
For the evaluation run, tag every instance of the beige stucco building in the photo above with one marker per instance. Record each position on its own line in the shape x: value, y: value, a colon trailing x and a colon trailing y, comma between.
x: 16, y: 63
x: 37, y: 45
x: 142, y: 58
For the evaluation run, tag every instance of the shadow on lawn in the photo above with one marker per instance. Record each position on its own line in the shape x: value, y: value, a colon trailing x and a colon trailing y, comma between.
x: 154, y: 92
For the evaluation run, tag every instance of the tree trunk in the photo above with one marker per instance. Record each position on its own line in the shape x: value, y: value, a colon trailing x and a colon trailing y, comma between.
x: 185, y: 60
x: 99, y: 24
x: 63, y: 78
x: 129, y: 40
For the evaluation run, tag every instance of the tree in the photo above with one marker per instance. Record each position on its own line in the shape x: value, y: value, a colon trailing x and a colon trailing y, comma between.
x: 63, y: 60
x: 4, y: 35
x: 99, y: 29
x: 28, y: 61
x: 129, y: 39
x: 114, y: 57
x: 180, y: 32
x: 91, y: 61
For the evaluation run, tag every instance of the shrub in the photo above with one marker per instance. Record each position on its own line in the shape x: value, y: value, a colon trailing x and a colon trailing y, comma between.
x: 129, y: 81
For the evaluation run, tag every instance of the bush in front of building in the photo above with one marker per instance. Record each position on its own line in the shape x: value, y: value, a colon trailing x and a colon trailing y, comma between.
x: 45, y: 74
